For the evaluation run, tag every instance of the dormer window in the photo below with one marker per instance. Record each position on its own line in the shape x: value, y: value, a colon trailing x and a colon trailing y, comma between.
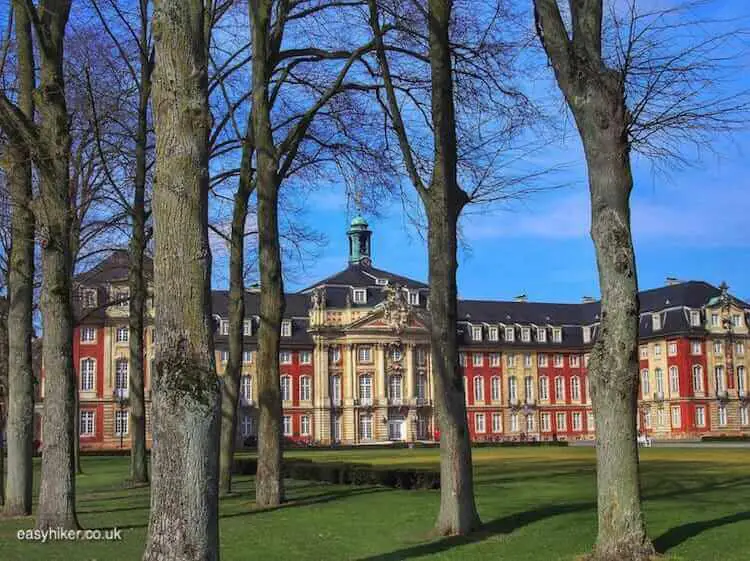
x: 286, y: 328
x: 541, y: 334
x: 359, y: 295
x: 476, y: 332
x: 493, y: 333
x: 557, y: 335
x: 247, y: 327
x: 381, y: 282
x: 88, y: 297
x: 714, y: 320
x: 656, y: 322
x: 586, y: 334
x: 510, y: 334
x: 120, y: 297
x: 525, y: 334
x: 695, y: 318
x: 736, y: 320
x: 224, y: 327
x: 414, y: 298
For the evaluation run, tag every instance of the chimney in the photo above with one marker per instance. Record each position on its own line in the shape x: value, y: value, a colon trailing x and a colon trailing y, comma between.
x: 671, y: 281
x: 588, y: 299
x: 521, y: 298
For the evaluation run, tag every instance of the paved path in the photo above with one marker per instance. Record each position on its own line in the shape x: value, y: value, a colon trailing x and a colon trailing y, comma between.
x: 677, y: 444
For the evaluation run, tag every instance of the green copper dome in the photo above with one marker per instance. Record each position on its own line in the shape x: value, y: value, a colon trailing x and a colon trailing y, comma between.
x: 358, y: 221
x: 359, y: 241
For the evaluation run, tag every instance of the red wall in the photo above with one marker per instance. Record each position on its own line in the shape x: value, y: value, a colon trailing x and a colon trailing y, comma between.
x: 90, y: 350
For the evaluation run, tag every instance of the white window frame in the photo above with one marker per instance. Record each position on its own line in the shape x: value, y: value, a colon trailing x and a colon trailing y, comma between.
x: 359, y: 295
x: 477, y: 359
x: 224, y: 327
x: 510, y: 360
x: 493, y: 333
x: 285, y: 357
x: 304, y: 425
x: 561, y: 416
x: 364, y: 354
x: 674, y: 381
x: 246, y: 387
x: 586, y: 334
x: 478, y: 388
x: 696, y: 348
x: 510, y: 334
x: 657, y: 349
x: 305, y: 388
x: 527, y: 360
x: 84, y: 373
x: 656, y: 322
x: 676, y: 417
x: 247, y: 328
x: 722, y: 414
x: 644, y: 352
x: 414, y: 297
x: 576, y: 421
x: 541, y: 334
x: 697, y: 374
x: 87, y: 423
x: 365, y: 427
x: 247, y: 357
x: 744, y: 415
x: 715, y: 320
x: 559, y: 388
x: 695, y: 318
x: 89, y: 331
x: 496, y: 384
x: 364, y: 390
x: 494, y: 360
x: 526, y: 334
x: 305, y: 357
x: 557, y: 334
x: 545, y: 421
x: 544, y: 388
x: 479, y: 423
x: 286, y: 328
x: 645, y: 383
x: 672, y: 348
x: 121, y: 422
x: 287, y: 425
x: 497, y: 422
x: 285, y: 387
x: 718, y: 347
x: 543, y: 360
x: 122, y: 374
x: 476, y: 332
x: 700, y: 416
x: 575, y: 361
x: 122, y: 334
x: 558, y: 360
x: 575, y: 388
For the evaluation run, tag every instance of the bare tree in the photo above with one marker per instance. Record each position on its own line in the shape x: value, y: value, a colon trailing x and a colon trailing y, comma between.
x: 442, y: 76
x: 20, y: 387
x: 183, y: 521
x: 49, y: 145
x: 633, y: 83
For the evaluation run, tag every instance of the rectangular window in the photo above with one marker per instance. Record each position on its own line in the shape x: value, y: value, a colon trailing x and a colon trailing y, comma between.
x: 541, y: 334
x: 543, y: 361
x: 736, y: 320
x: 696, y: 348
x: 494, y: 360
x: 334, y: 355
x: 590, y: 420
x: 510, y: 334
x: 676, y: 418
x: 88, y: 334
x: 525, y: 334
x: 645, y: 383
x: 495, y: 388
x: 478, y: 389
x: 477, y: 359
x: 739, y: 348
x: 286, y: 388
x: 511, y: 360
x: 722, y: 416
x: 359, y: 295
x: 287, y: 423
x: 88, y: 374
x: 744, y: 415
x: 559, y: 389
x: 247, y: 356
x: 514, y: 422
x: 285, y: 357
x: 586, y: 334
x: 493, y: 333
x: 224, y: 327
x: 305, y: 388
x: 700, y: 416
x: 479, y: 422
x: 476, y: 332
x: 305, y: 357
x: 462, y: 359
x: 530, y: 423
x: 586, y: 358
x: 365, y: 427
x: 656, y: 322
x: 421, y: 356
x: 286, y: 328
x: 657, y: 349
x: 644, y: 353
x: 577, y: 425
x: 575, y: 361
x: 527, y: 360
x: 364, y: 355
x: 512, y: 389
x: 414, y: 298
x: 223, y: 356
x: 121, y: 423
x: 88, y: 297
x: 247, y: 426
x: 558, y: 361
x: 672, y: 348
x: 497, y: 422
x: 715, y: 320
x: 544, y: 419
x: 557, y: 335
x: 122, y: 335
x: 246, y: 388
x: 304, y: 425
x: 561, y: 419
x: 717, y: 347
x: 695, y: 318
x: 86, y: 425
x: 247, y: 327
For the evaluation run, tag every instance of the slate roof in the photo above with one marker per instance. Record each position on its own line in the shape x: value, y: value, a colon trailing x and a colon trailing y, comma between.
x: 361, y: 275
x: 113, y: 269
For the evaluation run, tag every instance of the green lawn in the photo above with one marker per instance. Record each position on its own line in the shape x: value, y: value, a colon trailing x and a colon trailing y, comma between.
x: 537, y: 504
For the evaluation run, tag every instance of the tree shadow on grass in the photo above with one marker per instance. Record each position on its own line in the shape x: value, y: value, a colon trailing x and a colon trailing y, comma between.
x: 503, y: 525
x: 679, y: 534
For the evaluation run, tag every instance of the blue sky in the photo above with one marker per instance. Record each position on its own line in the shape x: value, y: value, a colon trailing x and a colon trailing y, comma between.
x: 689, y: 223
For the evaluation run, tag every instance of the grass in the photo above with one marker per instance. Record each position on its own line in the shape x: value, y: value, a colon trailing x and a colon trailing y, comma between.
x: 537, y: 504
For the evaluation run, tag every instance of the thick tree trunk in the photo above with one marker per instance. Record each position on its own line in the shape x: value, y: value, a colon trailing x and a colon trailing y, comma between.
x: 230, y: 393
x: 136, y: 280
x: 3, y: 390
x: 444, y: 201
x: 268, y: 483
x: 20, y: 403
x: 57, y: 489
x: 613, y: 368
x: 183, y: 522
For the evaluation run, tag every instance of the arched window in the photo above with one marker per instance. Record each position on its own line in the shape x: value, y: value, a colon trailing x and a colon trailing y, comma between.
x: 495, y: 388
x: 575, y: 388
x: 645, y: 383
x: 88, y: 374
x: 305, y: 388
x: 121, y: 377
x: 559, y: 388
x: 698, y: 378
x: 286, y: 388
x: 741, y: 378
x: 659, y: 379
x: 478, y: 388
x: 719, y: 380
x: 543, y: 387
x: 674, y: 381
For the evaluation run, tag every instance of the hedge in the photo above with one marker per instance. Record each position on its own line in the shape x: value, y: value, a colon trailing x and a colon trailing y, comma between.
x: 341, y: 473
x: 726, y: 438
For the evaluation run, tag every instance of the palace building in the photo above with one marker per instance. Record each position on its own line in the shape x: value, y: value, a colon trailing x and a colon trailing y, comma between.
x: 356, y: 365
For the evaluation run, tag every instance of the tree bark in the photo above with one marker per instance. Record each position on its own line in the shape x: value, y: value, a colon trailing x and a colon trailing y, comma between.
x: 268, y: 483
x: 3, y: 390
x: 57, y: 489
x: 136, y: 280
x: 596, y: 97
x: 230, y: 393
x: 20, y: 390
x: 444, y: 201
x: 183, y: 522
